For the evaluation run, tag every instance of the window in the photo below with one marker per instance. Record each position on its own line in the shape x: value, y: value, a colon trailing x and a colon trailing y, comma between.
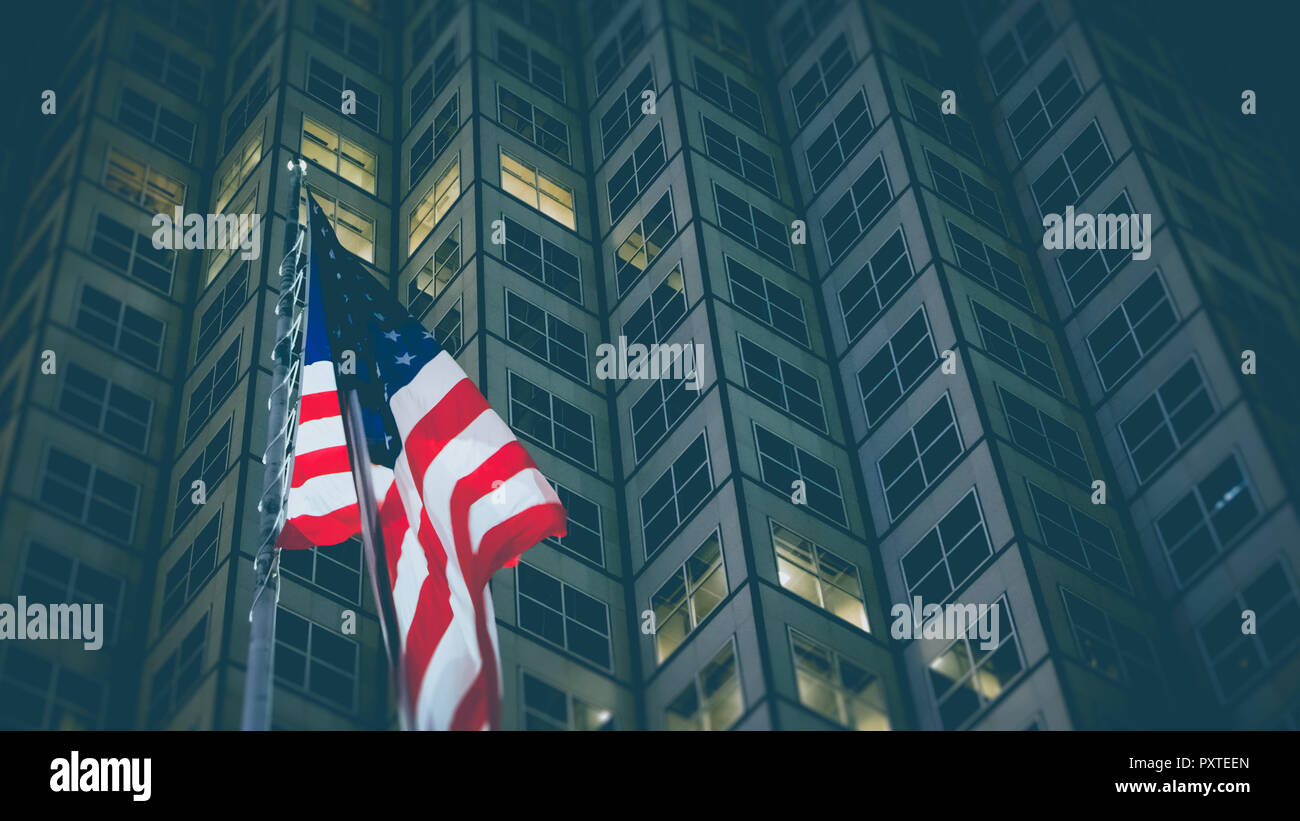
x: 948, y: 555
x: 191, y: 571
x: 434, y: 205
x: 38, y: 695
x: 563, y: 615
x: 585, y: 537
x: 1129, y: 333
x: 432, y: 82
x: 625, y: 112
x: 852, y: 214
x: 839, y: 140
x: 141, y: 184
x: 315, y: 660
x: 356, y: 231
x: 713, y: 700
x: 132, y: 333
x: 950, y: 128
x: 548, y: 708
x: 106, y: 406
x: 996, y: 270
x: 877, y: 282
x: 1044, y: 109
x: 658, y: 411
x: 782, y: 464
x: 1208, y: 520
x: 791, y: 389
x: 241, y: 116
x: 728, y: 94
x: 209, y: 466
x: 338, y: 155
x: 644, y: 244
x: 1111, y: 647
x: 533, y: 124
x: 798, y: 30
x: 915, y: 462
x: 1016, y: 348
x: 1045, y: 438
x: 237, y: 228
x: 167, y: 67
x: 1167, y: 420
x: 742, y: 158
x: 1064, y: 182
x: 536, y: 15
x: 633, y: 177
x: 611, y: 59
x: 659, y: 313
x: 221, y: 312
x: 328, y: 85
x: 347, y: 37
x: 897, y: 367
x: 241, y: 165
x: 156, y: 124
x: 1078, y: 537
x: 822, y: 79
x: 551, y: 422
x: 1012, y: 53
x: 817, y: 575
x: 122, y: 249
x: 965, y: 192
x: 432, y: 279
x: 212, y: 389
x: 448, y: 331
x: 837, y: 688
x: 921, y: 60
x: 247, y: 58
x: 543, y: 261
x: 435, y: 138
x: 718, y: 35
x: 767, y: 302
x: 1235, y: 660
x: 50, y: 576
x: 545, y: 75
x: 966, y: 678
x: 753, y: 226
x: 179, y: 672
x: 537, y: 190
x: 334, y: 569
x: 1214, y: 230
x: 89, y: 495
x: 546, y: 336
x: 1186, y: 161
x: 676, y: 494
x: 1086, y: 270
x: 688, y: 596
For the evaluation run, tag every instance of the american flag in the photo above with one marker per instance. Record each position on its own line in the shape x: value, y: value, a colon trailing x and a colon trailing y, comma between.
x: 458, y: 496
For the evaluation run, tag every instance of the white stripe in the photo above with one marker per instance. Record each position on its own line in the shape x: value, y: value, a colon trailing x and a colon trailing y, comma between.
x: 318, y: 434
x: 524, y: 490
x: 412, y: 570
x: 460, y: 457
x: 318, y: 377
x: 320, y: 495
x: 413, y: 401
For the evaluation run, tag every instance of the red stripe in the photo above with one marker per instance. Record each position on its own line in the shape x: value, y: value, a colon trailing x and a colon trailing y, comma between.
x: 320, y: 463
x: 318, y: 406
x: 447, y: 420
x: 302, y: 532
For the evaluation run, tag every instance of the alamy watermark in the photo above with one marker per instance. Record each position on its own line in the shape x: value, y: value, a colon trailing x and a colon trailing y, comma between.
x: 949, y: 622
x: 77, y: 622
x: 223, y: 232
x: 655, y: 361
x: 1101, y: 231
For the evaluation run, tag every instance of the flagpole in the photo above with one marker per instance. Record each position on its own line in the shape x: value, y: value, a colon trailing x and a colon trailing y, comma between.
x: 372, y: 541
x: 266, y: 590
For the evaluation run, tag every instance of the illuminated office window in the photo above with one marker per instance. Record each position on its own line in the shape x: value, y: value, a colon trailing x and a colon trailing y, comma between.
x: 141, y: 184
x: 356, y: 231
x: 338, y: 155
x: 434, y: 205
x: 812, y: 572
x: 692, y: 592
x: 217, y: 257
x: 837, y: 688
x: 244, y: 161
x: 526, y: 183
x: 713, y: 700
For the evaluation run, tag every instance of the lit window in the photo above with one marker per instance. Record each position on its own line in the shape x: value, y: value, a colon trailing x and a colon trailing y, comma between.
x: 141, y: 184
x: 966, y: 678
x: 550, y: 708
x: 338, y: 155
x: 242, y: 164
x: 836, y: 687
x: 815, y: 574
x: 526, y: 183
x: 713, y: 700
x: 693, y: 592
x: 434, y: 205
x: 356, y: 231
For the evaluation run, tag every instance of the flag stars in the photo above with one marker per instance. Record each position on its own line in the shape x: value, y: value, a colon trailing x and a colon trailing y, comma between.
x: 393, y: 335
x: 405, y: 359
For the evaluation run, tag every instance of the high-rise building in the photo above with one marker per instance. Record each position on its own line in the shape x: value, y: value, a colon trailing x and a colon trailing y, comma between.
x: 900, y: 392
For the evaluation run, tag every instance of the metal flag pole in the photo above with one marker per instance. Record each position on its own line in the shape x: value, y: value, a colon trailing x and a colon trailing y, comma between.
x: 372, y: 541
x: 276, y: 474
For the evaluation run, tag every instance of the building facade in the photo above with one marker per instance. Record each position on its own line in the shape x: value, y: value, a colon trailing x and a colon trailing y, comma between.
x: 900, y: 392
